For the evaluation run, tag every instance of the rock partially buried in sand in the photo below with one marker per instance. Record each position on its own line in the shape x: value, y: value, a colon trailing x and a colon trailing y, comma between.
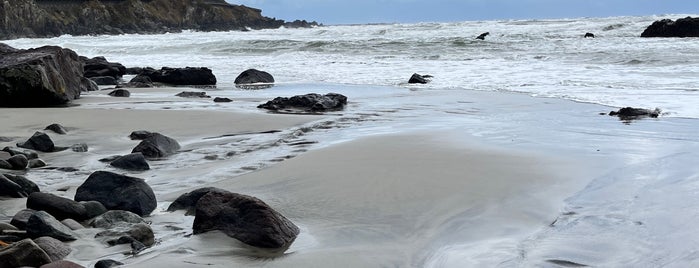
x: 118, y: 192
x: 120, y: 93
x: 307, y: 103
x: 245, y: 218
x: 192, y: 94
x: 254, y: 79
x: 156, y: 145
x: 57, y: 128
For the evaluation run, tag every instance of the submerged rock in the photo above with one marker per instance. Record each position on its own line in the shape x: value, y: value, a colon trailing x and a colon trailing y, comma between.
x: 686, y: 27
x: 107, y: 263
x: 118, y: 192
x: 246, y: 219
x: 220, y: 99
x: 57, y: 128
x: 419, y: 79
x: 589, y: 35
x: 254, y: 79
x: 192, y: 94
x: 122, y: 93
x: 482, y: 36
x: 307, y: 103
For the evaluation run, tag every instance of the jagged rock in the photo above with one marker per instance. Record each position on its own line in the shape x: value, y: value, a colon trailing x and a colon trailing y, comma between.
x: 59, y: 207
x: 307, y: 103
x: 118, y: 192
x: 244, y: 218
x: 192, y: 94
x: 100, y: 67
x: 39, y: 142
x: 482, y: 36
x: 105, y: 80
x: 686, y: 27
x: 79, y: 148
x: 40, y: 77
x: 419, y: 79
x: 135, y: 161
x: 122, y: 93
x: 630, y: 113
x: 36, y: 163
x: 116, y: 218
x: 23, y: 253
x: 188, y: 201
x: 62, y: 264
x: 21, y: 218
x: 29, y: 154
x: 254, y: 79
x: 188, y: 76
x: 157, y: 145
x: 56, y: 249
x: 42, y: 223
x: 18, y: 162
x: 57, y: 128
x: 219, y: 99
x: 107, y: 263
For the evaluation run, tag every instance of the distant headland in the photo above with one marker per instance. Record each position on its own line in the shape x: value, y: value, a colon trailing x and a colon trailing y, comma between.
x: 48, y: 18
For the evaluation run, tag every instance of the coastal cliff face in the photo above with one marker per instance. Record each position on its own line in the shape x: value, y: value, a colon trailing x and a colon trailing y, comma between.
x: 45, y: 18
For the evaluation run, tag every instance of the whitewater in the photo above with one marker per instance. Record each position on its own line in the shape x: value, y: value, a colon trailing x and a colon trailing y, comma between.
x: 522, y: 113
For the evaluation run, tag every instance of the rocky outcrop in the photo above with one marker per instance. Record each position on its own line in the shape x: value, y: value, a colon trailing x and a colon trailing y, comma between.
x: 686, y: 27
x: 44, y: 18
x: 40, y: 77
x: 307, y: 103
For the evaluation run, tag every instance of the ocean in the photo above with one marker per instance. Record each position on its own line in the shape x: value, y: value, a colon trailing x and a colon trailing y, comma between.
x: 532, y: 87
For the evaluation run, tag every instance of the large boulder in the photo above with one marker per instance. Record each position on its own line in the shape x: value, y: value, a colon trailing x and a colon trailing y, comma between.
x: 118, y: 192
x: 254, y: 79
x: 188, y: 76
x: 40, y: 141
x: 246, y: 219
x: 99, y: 67
x: 307, y: 103
x: 23, y: 253
x: 40, y: 77
x: 686, y: 27
x: 157, y: 145
x: 59, y: 207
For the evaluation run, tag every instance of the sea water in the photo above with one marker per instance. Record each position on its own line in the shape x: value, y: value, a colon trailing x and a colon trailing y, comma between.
x: 637, y: 209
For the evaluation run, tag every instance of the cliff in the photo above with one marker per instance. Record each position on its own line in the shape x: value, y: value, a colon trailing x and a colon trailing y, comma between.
x: 46, y: 18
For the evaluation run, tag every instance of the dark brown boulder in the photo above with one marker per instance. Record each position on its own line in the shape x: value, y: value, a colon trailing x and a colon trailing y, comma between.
x: 40, y: 77
x: 118, y: 192
x: 307, y: 103
x: 686, y: 27
x: 244, y: 218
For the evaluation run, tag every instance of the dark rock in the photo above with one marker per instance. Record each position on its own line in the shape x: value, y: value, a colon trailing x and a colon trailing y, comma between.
x: 40, y: 77
x: 134, y: 70
x: 79, y: 148
x: 188, y: 76
x: 244, y: 218
x: 482, y: 36
x: 93, y: 208
x: 9, y: 188
x: 419, y: 79
x: 118, y: 192
x: 219, y: 99
x: 122, y: 93
x: 57, y: 128
x: 18, y: 162
x: 5, y: 48
x: 140, y: 134
x: 109, y: 159
x: 59, y: 207
x: 143, y: 79
x: 28, y: 153
x: 116, y: 218
x: 589, y: 35
x: 5, y: 165
x: 23, y: 253
x: 56, y: 249
x: 254, y: 79
x: 140, y: 232
x: 72, y: 224
x: 39, y: 142
x: 192, y: 94
x: 21, y: 218
x: 100, y: 67
x: 27, y: 186
x: 686, y: 27
x: 135, y: 161
x: 105, y: 80
x: 36, y: 163
x: 630, y: 113
x: 5, y: 139
x: 89, y: 85
x: 107, y: 264
x: 188, y: 201
x: 6, y: 226
x: 62, y: 264
x: 42, y: 223
x: 157, y: 145
x: 307, y: 103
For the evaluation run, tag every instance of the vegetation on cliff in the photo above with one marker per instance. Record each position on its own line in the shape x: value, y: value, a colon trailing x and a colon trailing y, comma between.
x: 45, y: 18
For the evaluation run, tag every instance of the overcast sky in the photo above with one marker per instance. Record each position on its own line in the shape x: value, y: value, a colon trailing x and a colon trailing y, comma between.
x: 374, y: 11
